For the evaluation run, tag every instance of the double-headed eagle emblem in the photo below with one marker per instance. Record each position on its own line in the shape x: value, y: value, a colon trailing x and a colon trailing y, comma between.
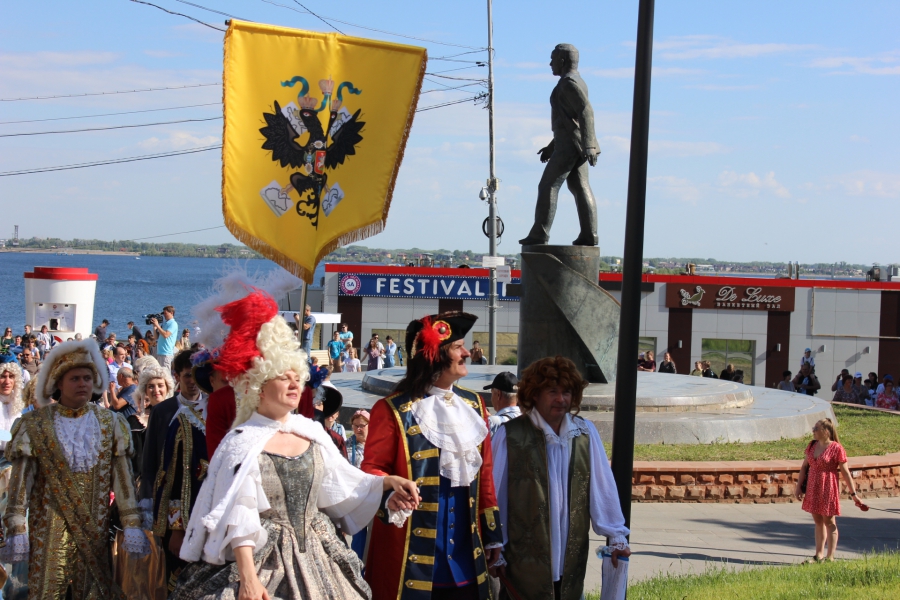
x: 313, y: 154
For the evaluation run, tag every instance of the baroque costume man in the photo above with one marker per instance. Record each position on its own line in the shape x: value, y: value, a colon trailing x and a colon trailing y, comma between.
x: 67, y: 458
x: 435, y: 433
x: 264, y: 519
x: 553, y: 482
x: 182, y: 470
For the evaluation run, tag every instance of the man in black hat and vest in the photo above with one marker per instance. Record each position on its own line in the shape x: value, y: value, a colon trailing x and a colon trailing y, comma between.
x: 435, y: 433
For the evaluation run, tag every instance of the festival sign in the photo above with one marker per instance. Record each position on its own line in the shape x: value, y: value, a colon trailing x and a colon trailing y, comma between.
x: 315, y: 129
x: 735, y: 297
x: 419, y: 286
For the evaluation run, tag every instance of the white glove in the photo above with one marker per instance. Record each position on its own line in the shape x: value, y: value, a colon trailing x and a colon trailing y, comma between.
x: 136, y: 542
x: 16, y: 549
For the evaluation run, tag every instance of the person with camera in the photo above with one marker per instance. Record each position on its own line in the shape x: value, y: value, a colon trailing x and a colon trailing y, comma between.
x: 168, y: 335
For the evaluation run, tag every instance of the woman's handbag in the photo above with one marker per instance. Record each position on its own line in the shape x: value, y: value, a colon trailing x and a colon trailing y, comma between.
x: 804, y: 470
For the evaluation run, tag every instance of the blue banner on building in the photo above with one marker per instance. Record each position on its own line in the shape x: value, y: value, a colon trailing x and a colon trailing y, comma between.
x: 419, y: 286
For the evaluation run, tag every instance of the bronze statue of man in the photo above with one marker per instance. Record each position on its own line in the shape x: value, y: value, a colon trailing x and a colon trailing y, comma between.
x: 573, y: 148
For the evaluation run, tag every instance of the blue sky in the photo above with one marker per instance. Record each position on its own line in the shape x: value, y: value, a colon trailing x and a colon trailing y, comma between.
x: 772, y: 131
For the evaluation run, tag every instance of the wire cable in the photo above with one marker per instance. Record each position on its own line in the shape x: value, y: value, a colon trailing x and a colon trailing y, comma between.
x: 115, y: 114
x: 475, y: 99
x: 153, y: 237
x: 6, y: 135
x: 172, y: 12
x: 401, y: 35
x: 318, y: 17
x: 110, y: 162
x: 218, y: 12
x: 177, y: 87
x: 450, y: 89
x: 456, y: 69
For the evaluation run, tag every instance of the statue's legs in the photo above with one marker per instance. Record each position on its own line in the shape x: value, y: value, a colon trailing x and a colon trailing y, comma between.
x: 555, y: 173
x: 580, y: 186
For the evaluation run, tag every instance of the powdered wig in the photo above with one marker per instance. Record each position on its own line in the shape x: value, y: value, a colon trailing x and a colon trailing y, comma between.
x: 280, y: 353
x: 149, y: 372
x: 16, y: 403
x: 547, y: 373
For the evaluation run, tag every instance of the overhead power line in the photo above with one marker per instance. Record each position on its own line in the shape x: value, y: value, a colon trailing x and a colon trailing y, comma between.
x: 476, y: 99
x: 401, y: 35
x: 153, y: 237
x: 6, y: 135
x: 177, y: 87
x: 172, y: 12
x: 114, y: 114
x: 110, y: 162
x: 218, y: 12
x: 449, y: 89
x: 318, y: 17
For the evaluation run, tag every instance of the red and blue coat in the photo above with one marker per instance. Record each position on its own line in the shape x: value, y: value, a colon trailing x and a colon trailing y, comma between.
x: 435, y: 548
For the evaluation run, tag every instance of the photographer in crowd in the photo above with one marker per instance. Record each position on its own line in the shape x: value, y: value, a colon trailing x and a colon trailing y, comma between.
x: 167, y: 333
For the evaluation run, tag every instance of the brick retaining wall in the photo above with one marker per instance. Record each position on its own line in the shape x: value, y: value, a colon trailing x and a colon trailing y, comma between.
x: 760, y: 482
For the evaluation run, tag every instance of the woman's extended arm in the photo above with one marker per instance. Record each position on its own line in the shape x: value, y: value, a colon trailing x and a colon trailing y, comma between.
x: 845, y: 471
x: 251, y: 588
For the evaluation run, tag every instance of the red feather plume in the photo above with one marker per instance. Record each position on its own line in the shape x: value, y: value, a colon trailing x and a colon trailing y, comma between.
x: 428, y: 342
x: 245, y: 317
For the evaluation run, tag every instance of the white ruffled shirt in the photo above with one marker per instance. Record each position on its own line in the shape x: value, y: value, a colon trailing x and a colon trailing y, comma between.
x: 199, y: 405
x: 448, y: 422
x: 80, y: 439
x: 606, y: 513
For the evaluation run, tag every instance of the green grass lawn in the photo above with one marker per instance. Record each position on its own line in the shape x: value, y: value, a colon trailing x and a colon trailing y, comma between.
x: 862, y: 433
x: 875, y: 577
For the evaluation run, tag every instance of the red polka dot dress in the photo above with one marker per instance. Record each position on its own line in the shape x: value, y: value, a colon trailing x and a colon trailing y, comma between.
x: 823, y: 491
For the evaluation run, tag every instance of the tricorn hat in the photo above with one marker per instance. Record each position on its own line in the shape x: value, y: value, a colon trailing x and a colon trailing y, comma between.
x: 428, y: 334
x: 202, y: 368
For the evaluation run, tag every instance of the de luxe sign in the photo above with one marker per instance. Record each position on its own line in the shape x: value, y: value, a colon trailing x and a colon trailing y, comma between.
x: 730, y: 297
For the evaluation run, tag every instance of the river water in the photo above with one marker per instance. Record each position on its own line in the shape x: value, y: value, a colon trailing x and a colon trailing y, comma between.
x: 126, y: 288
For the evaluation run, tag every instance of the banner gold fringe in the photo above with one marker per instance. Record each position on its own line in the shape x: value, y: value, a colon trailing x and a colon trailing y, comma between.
x: 359, y: 234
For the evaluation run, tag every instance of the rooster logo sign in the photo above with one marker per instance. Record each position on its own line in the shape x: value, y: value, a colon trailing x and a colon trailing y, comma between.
x: 295, y: 136
x: 687, y: 298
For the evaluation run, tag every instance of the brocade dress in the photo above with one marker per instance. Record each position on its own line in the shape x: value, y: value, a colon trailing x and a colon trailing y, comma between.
x: 303, y: 558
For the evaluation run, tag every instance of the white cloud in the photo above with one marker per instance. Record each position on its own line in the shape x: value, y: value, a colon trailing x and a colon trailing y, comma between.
x: 869, y: 183
x: 713, y: 87
x: 628, y: 72
x: 178, y: 140
x: 713, y: 47
x: 32, y: 60
x: 677, y: 188
x: 884, y: 64
x: 745, y: 185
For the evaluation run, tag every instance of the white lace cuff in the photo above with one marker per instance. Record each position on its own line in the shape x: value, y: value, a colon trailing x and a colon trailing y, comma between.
x: 619, y: 543
x: 16, y: 549
x: 501, y: 562
x: 136, y: 542
x: 494, y: 545
x: 396, y: 517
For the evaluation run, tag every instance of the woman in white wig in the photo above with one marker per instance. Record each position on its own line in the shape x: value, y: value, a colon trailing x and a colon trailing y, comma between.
x: 155, y: 384
x: 11, y: 384
x: 263, y: 523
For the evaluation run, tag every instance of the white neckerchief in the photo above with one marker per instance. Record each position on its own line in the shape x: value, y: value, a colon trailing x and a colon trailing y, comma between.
x: 570, y: 428
x: 191, y: 408
x: 450, y: 424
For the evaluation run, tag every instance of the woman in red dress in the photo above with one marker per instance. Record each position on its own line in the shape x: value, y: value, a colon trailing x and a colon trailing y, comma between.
x: 825, y: 457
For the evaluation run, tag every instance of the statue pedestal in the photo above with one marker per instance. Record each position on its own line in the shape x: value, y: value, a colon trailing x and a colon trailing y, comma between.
x: 564, y: 312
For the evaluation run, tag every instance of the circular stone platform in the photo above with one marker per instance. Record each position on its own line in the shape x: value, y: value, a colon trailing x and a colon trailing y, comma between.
x: 672, y: 409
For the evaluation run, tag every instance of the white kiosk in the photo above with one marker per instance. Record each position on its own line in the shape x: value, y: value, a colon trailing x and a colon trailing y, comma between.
x: 62, y: 298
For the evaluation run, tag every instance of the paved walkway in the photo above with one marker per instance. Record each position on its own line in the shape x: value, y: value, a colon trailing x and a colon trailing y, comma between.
x: 684, y: 538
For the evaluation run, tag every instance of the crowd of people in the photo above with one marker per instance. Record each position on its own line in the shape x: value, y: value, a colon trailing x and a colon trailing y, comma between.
x: 228, y: 468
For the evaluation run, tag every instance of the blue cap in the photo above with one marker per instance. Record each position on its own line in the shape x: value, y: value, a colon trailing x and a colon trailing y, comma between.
x: 888, y: 378
x: 7, y: 358
x: 808, y: 350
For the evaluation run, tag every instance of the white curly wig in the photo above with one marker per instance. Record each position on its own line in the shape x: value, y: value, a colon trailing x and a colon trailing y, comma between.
x: 150, y: 372
x: 280, y: 353
x: 13, y: 404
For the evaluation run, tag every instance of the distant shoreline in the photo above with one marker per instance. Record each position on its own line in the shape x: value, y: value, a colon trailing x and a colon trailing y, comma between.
x: 81, y: 251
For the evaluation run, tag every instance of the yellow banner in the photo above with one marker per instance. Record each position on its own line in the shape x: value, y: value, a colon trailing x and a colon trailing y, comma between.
x: 315, y: 129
